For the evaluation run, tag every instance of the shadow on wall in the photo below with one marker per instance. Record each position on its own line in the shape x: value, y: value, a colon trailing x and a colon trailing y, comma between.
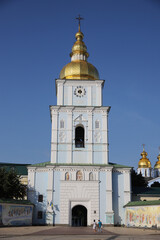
x: 116, y: 198
x: 43, y: 213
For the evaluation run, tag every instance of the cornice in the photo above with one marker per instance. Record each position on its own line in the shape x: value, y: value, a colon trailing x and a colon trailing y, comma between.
x: 84, y: 109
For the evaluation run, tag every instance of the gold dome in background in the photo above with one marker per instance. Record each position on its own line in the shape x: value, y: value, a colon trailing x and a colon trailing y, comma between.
x: 157, y: 165
x: 144, y: 161
x: 79, y: 68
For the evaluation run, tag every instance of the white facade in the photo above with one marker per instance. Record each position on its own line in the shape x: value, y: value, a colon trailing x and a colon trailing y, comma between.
x: 146, y: 172
x: 79, y: 178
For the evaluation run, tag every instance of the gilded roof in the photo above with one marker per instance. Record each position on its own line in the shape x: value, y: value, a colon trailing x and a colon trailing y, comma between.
x: 79, y: 67
x: 144, y: 161
x: 157, y: 165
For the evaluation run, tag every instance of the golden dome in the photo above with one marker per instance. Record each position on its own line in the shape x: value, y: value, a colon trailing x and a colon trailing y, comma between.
x: 157, y: 165
x: 144, y: 161
x: 79, y: 68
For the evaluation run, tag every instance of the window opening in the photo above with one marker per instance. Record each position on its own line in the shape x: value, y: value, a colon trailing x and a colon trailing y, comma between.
x: 145, y: 172
x: 79, y: 137
x: 40, y: 198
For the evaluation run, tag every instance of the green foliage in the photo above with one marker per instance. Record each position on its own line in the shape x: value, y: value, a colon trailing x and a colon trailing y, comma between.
x: 138, y: 180
x: 10, y: 185
x: 155, y: 184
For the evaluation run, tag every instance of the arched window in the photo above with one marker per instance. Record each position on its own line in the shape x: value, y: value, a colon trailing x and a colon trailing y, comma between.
x: 79, y: 137
x: 79, y: 176
x: 97, y: 124
x: 90, y: 176
x: 62, y: 123
x: 67, y: 176
x: 145, y: 173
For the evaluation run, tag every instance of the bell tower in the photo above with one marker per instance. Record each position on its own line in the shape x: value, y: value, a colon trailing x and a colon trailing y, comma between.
x: 79, y: 121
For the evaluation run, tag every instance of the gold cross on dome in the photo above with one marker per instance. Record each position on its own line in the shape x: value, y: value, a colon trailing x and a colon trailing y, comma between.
x: 79, y: 18
x: 143, y: 146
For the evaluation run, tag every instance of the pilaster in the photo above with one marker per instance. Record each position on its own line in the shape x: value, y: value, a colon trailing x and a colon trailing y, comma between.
x: 90, y: 136
x: 60, y: 89
x: 54, y: 134
x: 105, y: 136
x: 127, y: 186
x: 69, y: 135
x: 31, y: 184
x: 50, y: 210
x: 109, y: 205
x: 89, y: 93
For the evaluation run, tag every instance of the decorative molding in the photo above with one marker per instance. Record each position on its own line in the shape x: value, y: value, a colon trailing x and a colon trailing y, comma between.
x: 62, y: 136
x: 97, y: 136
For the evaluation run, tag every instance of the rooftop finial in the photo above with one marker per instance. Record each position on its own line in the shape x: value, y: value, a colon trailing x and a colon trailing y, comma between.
x: 143, y: 146
x: 79, y: 18
x: 159, y: 149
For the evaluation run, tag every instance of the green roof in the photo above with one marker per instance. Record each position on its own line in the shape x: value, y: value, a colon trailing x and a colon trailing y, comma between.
x: 43, y: 164
x: 119, y: 165
x: 142, y: 203
x: 13, y: 201
x: 21, y: 169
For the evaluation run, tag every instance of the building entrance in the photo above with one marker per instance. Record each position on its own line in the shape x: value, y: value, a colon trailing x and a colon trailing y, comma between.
x: 79, y: 216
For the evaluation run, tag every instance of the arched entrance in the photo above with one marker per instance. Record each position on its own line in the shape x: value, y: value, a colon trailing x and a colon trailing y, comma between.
x: 79, y: 216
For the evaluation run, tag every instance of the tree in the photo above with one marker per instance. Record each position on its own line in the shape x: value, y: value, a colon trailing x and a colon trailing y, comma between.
x: 155, y: 184
x: 10, y: 185
x: 137, y: 180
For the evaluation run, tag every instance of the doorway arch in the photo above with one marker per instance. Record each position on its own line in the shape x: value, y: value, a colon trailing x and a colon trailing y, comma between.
x: 79, y: 216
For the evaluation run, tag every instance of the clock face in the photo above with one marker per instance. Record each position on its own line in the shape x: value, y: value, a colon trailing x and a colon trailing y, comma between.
x: 79, y: 91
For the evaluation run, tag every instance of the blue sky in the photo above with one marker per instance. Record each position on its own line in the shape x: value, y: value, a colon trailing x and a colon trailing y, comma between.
x: 123, y: 40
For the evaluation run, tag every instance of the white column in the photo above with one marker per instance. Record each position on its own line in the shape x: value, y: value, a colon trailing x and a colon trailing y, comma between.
x: 60, y: 92
x: 54, y: 135
x: 90, y: 136
x: 69, y: 135
x: 70, y: 95
x: 31, y: 184
x: 104, y: 137
x: 98, y: 95
x: 107, y: 139
x: 89, y: 94
x: 50, y: 210
x: 127, y: 186
x: 109, y: 206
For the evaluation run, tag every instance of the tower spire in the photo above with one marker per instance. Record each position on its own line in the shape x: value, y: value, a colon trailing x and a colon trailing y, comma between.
x: 143, y: 147
x: 79, y: 18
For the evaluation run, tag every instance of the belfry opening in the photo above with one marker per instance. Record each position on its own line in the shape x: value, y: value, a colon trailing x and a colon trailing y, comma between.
x: 79, y: 216
x: 79, y: 137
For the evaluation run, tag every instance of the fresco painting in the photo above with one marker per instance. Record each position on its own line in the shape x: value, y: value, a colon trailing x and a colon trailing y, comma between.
x: 146, y: 216
x: 16, y: 215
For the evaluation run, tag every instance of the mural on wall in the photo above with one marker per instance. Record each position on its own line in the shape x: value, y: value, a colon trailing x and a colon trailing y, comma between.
x: 146, y: 216
x: 16, y: 215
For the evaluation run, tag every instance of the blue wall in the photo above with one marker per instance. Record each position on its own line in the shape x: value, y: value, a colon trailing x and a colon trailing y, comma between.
x: 102, y: 184
x: 118, y: 197
x: 56, y: 196
x: 41, y: 187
